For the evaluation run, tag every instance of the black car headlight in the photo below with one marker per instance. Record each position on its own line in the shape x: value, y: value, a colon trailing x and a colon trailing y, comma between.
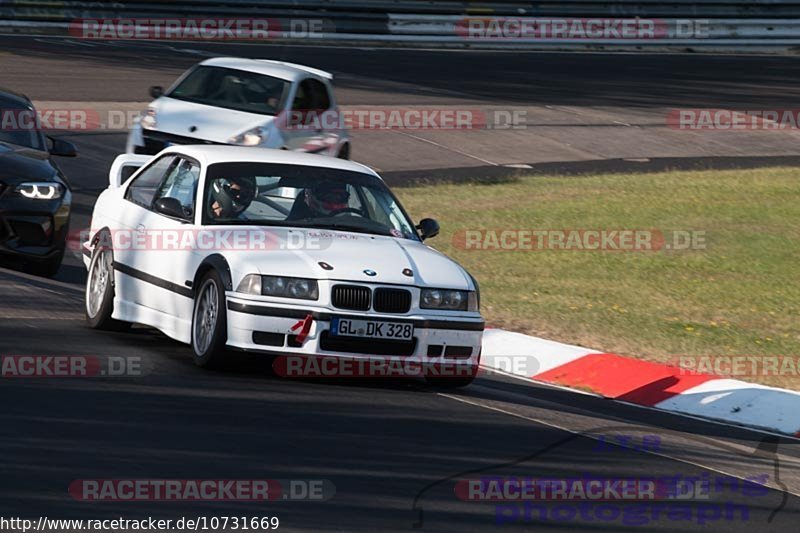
x: 282, y: 286
x: 45, y: 190
x: 448, y: 299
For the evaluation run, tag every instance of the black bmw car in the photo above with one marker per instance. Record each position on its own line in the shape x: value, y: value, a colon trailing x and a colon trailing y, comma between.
x: 35, y: 195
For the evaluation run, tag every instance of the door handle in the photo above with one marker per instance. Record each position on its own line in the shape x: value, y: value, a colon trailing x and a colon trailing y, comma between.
x: 140, y: 228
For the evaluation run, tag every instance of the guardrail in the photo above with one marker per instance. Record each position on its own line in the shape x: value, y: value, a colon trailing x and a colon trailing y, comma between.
x: 771, y: 24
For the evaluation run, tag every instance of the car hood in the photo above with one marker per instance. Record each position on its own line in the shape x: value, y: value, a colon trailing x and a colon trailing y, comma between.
x: 18, y: 164
x: 298, y: 252
x: 202, y: 121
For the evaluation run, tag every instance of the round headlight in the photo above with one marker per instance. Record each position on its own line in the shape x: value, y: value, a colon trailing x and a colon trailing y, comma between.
x: 148, y: 120
x: 40, y: 190
x: 454, y: 299
x: 299, y: 288
x: 432, y: 298
x: 273, y: 285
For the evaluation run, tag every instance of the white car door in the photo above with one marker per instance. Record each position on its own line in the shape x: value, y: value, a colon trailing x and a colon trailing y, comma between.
x: 311, y: 113
x: 169, y: 266
x: 129, y: 237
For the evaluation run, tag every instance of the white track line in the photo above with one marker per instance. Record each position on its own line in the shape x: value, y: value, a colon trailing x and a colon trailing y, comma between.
x: 448, y: 148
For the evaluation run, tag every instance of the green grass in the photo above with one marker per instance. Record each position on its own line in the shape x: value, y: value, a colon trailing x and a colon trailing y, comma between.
x: 739, y: 296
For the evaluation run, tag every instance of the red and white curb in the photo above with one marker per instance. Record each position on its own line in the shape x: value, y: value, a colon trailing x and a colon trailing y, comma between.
x: 644, y: 383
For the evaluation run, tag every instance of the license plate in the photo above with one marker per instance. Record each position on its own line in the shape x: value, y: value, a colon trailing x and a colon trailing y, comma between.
x: 372, y: 329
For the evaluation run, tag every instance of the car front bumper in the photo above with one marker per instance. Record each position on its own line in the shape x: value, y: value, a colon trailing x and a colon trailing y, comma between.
x: 151, y: 142
x: 265, y: 327
x: 33, y: 230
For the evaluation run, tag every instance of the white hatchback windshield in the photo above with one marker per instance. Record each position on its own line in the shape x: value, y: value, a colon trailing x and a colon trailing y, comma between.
x: 301, y: 196
x: 232, y: 89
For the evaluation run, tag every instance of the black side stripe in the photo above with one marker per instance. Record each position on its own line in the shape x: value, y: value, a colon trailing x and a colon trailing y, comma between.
x: 279, y: 312
x: 153, y: 280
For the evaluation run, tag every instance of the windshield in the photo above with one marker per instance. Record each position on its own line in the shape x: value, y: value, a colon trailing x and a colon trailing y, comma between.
x: 233, y: 89
x: 302, y: 196
x: 19, y: 125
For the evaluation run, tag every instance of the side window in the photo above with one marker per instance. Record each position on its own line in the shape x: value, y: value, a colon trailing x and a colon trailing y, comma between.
x: 311, y: 95
x: 142, y: 190
x: 302, y: 99
x: 181, y: 184
x: 374, y: 209
x: 319, y: 94
x: 382, y: 208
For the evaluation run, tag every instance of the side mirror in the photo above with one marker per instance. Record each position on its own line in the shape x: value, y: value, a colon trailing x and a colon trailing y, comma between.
x: 428, y: 228
x: 62, y: 148
x: 171, y: 207
x: 156, y: 91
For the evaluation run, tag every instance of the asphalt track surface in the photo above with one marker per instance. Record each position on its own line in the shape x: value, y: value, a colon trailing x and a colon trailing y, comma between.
x: 392, y: 449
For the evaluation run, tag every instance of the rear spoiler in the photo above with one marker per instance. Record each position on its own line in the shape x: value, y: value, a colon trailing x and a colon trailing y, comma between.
x: 124, y: 166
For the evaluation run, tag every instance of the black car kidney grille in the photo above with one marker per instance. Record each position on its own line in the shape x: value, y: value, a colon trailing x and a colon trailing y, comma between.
x: 392, y: 300
x: 352, y: 297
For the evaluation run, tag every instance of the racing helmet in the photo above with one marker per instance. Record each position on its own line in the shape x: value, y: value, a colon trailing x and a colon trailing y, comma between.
x: 233, y: 195
x: 327, y: 197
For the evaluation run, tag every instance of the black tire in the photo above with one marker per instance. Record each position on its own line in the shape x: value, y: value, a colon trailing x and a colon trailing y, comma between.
x: 99, y: 307
x: 46, y: 268
x: 344, y: 153
x: 209, y: 338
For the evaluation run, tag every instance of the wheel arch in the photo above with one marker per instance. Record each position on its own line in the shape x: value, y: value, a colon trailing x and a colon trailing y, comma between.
x: 214, y: 262
x: 100, y: 233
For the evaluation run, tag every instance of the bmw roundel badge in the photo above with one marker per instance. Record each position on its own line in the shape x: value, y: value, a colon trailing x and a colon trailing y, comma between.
x: 370, y: 272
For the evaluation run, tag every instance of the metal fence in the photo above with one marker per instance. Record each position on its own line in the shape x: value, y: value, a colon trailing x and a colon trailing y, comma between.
x: 562, y: 24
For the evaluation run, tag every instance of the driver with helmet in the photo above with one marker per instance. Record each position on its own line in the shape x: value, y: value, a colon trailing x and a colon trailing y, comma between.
x: 231, y: 197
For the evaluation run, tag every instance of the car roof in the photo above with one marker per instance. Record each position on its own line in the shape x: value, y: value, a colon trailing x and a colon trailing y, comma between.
x: 269, y: 67
x: 210, y: 154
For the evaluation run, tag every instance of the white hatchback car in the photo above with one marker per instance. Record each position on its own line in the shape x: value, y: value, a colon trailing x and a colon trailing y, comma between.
x: 248, y: 102
x: 275, y: 252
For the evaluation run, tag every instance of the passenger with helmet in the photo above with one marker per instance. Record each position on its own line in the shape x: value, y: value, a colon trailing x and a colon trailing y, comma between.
x: 324, y: 199
x: 231, y: 197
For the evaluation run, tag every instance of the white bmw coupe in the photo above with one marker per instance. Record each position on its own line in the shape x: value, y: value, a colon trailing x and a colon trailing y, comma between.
x: 274, y: 252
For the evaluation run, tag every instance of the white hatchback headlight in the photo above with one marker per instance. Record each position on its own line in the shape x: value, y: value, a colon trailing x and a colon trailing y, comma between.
x: 448, y: 299
x: 148, y: 120
x: 40, y: 190
x: 251, y: 137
